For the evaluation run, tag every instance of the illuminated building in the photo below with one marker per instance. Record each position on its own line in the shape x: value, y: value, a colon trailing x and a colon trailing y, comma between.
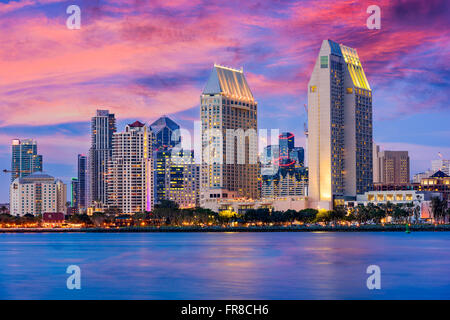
x: 283, y: 173
x: 130, y: 170
x: 163, y: 129
x: 177, y: 177
x: 103, y: 126
x: 391, y: 167
x: 82, y: 182
x: 229, y: 134
x: 339, y: 127
x: 286, y: 145
x: 74, y: 193
x: 442, y: 165
x: 25, y: 159
x: 285, y: 183
x: 37, y: 193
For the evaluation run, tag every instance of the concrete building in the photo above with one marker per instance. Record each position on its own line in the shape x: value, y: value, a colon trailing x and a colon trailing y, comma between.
x: 339, y: 127
x: 391, y: 167
x: 285, y: 183
x: 25, y: 159
x: 37, y: 193
x: 420, y: 199
x: 182, y: 179
x: 222, y: 201
x: 103, y: 126
x: 130, y: 170
x: 229, y: 134
x: 442, y: 165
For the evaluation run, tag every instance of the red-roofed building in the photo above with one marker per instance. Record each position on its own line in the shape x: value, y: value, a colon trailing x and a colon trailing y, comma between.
x: 52, y: 219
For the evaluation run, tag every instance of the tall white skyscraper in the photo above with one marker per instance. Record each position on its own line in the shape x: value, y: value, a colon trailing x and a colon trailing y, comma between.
x: 340, y: 127
x: 130, y: 170
x: 229, y: 134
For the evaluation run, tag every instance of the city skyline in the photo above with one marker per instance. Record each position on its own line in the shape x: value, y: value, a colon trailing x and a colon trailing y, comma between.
x: 406, y: 68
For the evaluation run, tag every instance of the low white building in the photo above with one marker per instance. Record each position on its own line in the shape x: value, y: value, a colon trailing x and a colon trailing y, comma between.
x: 36, y: 194
x: 220, y: 200
x: 420, y: 199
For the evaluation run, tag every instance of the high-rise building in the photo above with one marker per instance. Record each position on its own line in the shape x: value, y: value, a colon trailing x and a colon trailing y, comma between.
x: 82, y: 182
x: 285, y: 175
x: 339, y: 127
x: 130, y: 170
x: 286, y: 145
x: 376, y: 163
x: 441, y: 164
x: 392, y: 167
x: 74, y: 193
x: 297, y: 154
x: 103, y: 126
x: 36, y: 194
x: 229, y: 134
x: 285, y: 183
x: 164, y: 129
x: 25, y: 159
x: 177, y: 177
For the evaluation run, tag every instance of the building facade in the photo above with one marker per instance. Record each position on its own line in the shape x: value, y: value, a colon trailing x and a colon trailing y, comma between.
x: 392, y: 167
x: 74, y: 193
x: 166, y: 133
x: 339, y: 127
x: 25, y: 158
x: 442, y: 165
x: 82, y: 182
x: 103, y: 126
x: 130, y: 170
x: 229, y: 134
x: 36, y: 194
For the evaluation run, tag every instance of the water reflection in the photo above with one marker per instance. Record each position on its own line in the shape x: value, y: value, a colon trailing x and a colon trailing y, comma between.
x: 225, y: 265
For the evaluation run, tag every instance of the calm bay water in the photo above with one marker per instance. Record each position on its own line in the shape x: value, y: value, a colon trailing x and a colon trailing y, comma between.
x: 225, y: 265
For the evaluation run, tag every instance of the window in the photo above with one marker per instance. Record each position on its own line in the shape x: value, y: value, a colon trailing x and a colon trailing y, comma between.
x: 324, y: 62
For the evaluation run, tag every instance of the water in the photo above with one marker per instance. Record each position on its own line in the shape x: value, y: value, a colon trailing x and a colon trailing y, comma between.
x: 321, y: 265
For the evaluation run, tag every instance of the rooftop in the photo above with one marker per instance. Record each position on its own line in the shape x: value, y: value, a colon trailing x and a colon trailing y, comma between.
x: 228, y: 81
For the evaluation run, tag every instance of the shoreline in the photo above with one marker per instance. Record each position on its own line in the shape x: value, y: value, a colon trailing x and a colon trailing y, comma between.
x: 364, y: 228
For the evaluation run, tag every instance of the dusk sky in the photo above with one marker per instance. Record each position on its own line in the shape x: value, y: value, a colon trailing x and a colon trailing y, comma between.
x: 143, y: 59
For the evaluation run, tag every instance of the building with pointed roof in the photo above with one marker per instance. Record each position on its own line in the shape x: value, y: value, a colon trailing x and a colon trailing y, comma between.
x: 164, y: 129
x: 229, y: 141
x: 339, y: 127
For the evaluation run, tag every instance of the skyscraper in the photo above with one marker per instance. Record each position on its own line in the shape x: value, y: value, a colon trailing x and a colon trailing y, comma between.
x: 441, y: 164
x: 82, y: 182
x: 130, y: 170
x: 164, y: 129
x: 340, y: 127
x: 176, y: 177
x: 392, y: 167
x: 74, y: 193
x: 103, y: 126
x: 229, y: 136
x: 286, y: 143
x: 25, y: 159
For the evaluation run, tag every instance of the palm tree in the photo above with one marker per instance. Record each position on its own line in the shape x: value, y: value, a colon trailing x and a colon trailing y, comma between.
x: 438, y: 207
